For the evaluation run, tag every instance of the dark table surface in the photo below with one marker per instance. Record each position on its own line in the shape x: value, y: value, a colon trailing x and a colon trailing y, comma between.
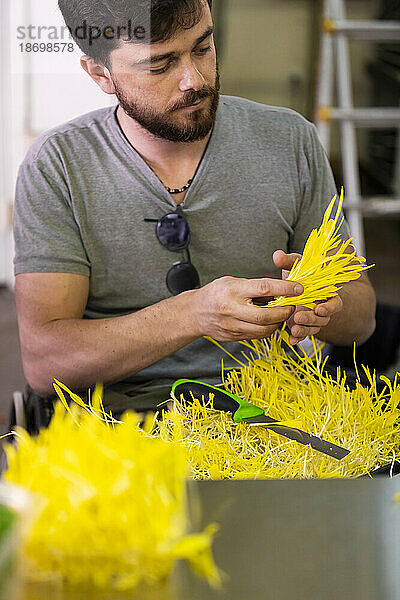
x: 283, y: 540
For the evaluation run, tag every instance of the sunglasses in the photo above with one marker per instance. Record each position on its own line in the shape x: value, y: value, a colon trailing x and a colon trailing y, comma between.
x: 173, y: 233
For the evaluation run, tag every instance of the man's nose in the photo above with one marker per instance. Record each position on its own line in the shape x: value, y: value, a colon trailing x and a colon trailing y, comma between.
x: 191, y: 79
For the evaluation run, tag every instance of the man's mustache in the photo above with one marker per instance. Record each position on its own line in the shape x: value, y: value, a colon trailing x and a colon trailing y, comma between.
x: 192, y: 98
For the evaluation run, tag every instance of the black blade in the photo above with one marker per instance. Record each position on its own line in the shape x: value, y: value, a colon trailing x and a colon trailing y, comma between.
x: 301, y: 436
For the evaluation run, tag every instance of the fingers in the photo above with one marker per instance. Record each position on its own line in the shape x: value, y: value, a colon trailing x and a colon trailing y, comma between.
x: 293, y: 341
x: 239, y: 330
x: 263, y: 316
x: 255, y: 288
x: 224, y: 308
x: 300, y: 333
x: 306, y: 322
x: 330, y: 307
x: 308, y: 318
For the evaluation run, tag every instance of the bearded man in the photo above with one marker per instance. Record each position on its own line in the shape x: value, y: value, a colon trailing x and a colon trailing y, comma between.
x: 142, y: 228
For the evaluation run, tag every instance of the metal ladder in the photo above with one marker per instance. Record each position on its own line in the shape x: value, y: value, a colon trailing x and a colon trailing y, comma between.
x: 334, y: 52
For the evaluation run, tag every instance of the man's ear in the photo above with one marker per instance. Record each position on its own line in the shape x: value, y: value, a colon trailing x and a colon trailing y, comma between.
x: 99, y: 73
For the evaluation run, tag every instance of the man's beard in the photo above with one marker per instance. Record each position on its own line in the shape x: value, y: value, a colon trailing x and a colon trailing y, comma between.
x: 199, y: 122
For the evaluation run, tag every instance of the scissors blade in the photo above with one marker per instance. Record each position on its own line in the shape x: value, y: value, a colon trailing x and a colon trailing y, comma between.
x: 300, y: 436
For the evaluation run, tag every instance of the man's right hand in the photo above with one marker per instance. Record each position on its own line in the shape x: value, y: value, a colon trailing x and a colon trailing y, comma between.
x: 224, y: 308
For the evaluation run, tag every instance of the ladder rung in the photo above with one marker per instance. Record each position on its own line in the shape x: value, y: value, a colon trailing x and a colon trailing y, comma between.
x: 373, y: 118
x: 377, y: 31
x: 380, y: 206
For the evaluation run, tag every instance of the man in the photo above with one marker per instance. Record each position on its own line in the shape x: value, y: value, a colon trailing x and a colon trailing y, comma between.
x: 100, y: 294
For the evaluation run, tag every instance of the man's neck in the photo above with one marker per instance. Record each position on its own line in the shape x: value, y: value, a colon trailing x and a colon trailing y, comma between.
x: 161, y: 155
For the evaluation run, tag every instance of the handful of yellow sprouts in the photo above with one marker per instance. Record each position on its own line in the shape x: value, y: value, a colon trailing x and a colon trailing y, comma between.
x: 111, y: 503
x: 327, y: 263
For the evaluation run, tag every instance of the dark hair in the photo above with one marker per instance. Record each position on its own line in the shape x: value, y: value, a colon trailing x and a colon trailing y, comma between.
x: 97, y: 26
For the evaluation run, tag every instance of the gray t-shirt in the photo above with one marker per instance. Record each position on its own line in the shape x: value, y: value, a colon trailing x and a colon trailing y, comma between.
x: 83, y: 193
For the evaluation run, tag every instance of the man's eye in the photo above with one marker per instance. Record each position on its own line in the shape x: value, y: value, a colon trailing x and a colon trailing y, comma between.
x: 200, y: 51
x: 162, y: 70
x: 203, y: 50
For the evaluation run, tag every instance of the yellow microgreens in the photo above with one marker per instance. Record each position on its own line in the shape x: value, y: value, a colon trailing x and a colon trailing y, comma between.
x: 111, y: 501
x: 327, y: 263
x: 294, y: 390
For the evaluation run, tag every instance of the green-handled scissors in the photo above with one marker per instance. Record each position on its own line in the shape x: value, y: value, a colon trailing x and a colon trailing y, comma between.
x: 245, y: 412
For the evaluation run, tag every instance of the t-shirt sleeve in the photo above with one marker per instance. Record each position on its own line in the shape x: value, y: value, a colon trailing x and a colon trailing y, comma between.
x: 46, y: 235
x: 317, y: 188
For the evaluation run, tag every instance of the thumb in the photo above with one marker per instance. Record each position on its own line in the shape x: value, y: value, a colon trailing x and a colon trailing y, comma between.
x: 285, y: 261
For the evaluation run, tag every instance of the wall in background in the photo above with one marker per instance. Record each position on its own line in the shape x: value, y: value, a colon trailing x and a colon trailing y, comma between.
x: 53, y: 88
x: 44, y: 90
x: 267, y: 51
x: 270, y: 53
x: 5, y: 135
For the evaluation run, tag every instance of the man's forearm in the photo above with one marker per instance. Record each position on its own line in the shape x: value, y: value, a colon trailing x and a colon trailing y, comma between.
x: 356, y: 322
x: 81, y: 352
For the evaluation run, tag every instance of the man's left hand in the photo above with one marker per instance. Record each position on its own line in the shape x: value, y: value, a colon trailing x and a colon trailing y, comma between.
x: 305, y: 321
